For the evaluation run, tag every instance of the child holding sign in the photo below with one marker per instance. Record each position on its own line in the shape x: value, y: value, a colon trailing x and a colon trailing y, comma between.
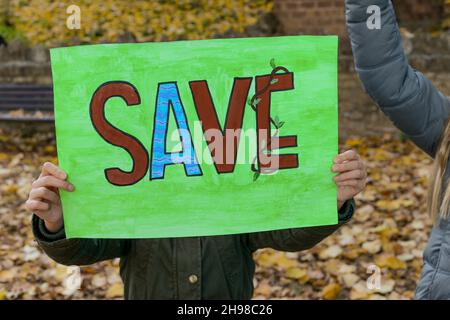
x: 219, y: 267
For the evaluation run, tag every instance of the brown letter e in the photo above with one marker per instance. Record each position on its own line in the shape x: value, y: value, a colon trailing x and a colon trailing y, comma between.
x: 268, y: 162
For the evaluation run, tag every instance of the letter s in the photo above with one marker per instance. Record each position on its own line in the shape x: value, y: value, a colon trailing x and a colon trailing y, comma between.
x: 117, y: 137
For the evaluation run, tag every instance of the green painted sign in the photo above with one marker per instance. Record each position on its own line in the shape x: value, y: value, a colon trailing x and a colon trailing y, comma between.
x: 197, y: 138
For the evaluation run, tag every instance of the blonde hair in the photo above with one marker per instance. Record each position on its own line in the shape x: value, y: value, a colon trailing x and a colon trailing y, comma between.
x: 439, y: 199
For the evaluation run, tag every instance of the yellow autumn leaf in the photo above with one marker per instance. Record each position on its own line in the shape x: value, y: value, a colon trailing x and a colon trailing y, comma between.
x: 49, y: 149
x: 115, y: 291
x: 285, y: 262
x: 359, y: 291
x: 298, y: 274
x: 263, y: 289
x: 390, y: 261
x: 331, y: 291
x: 330, y: 252
x: 372, y: 246
x: 381, y: 155
x: 388, y: 205
x: 272, y: 258
x: 61, y: 273
x: 396, y: 204
x: 350, y: 280
x: 3, y: 156
x: 267, y: 259
x: 354, y: 142
x: 12, y: 188
x: 7, y: 275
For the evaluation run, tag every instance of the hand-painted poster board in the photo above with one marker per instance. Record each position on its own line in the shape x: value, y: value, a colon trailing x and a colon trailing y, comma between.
x: 197, y: 138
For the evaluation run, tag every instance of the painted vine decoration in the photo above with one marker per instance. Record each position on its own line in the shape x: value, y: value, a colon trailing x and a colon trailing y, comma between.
x: 253, y: 102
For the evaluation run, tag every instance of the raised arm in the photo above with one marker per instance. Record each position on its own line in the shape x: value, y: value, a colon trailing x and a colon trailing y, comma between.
x: 405, y: 95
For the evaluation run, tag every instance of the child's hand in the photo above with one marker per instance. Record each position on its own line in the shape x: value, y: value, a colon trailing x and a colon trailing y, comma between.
x: 44, y: 200
x: 351, y: 178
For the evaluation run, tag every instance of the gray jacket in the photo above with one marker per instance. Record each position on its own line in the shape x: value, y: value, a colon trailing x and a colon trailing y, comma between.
x: 414, y: 105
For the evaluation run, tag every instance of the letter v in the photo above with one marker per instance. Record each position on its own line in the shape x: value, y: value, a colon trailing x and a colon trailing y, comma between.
x: 207, y: 114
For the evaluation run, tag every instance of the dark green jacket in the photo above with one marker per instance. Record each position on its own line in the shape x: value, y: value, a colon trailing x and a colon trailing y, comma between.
x: 219, y: 267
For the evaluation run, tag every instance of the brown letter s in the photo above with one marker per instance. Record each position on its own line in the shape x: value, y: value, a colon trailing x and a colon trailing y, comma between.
x: 117, y: 137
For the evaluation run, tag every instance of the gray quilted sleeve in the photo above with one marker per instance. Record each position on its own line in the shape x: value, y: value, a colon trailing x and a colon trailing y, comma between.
x: 405, y: 95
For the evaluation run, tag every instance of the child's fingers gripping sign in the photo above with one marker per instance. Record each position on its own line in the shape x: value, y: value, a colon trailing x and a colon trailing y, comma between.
x: 348, y: 155
x: 350, y: 168
x: 351, y: 175
x: 50, y: 169
x: 44, y: 200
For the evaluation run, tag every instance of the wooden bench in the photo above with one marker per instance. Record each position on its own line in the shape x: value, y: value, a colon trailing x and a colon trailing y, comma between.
x: 26, y: 102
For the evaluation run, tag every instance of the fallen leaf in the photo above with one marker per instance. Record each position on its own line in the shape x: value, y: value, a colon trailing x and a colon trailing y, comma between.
x: 299, y: 274
x: 372, y: 246
x: 350, y: 279
x: 330, y: 252
x: 386, y: 286
x: 115, y: 291
x: 389, y: 261
x: 331, y: 291
x: 359, y: 291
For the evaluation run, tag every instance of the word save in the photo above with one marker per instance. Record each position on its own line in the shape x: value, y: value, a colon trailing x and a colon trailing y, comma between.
x: 221, y: 146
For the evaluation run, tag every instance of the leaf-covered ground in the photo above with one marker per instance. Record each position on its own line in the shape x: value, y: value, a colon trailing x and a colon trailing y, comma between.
x: 388, y: 234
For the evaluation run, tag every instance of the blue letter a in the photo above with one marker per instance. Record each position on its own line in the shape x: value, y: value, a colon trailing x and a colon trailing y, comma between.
x: 169, y: 97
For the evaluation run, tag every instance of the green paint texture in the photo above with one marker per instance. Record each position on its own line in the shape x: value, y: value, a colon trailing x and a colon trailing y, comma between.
x: 211, y: 204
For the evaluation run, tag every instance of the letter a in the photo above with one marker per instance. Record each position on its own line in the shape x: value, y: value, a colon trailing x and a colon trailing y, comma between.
x: 374, y: 21
x: 168, y: 98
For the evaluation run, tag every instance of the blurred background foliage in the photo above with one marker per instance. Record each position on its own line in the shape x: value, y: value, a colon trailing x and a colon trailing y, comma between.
x: 44, y: 21
x: 447, y: 16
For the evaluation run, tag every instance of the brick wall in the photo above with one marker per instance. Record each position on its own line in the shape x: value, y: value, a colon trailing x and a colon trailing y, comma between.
x: 418, y: 13
x: 327, y: 16
x: 357, y: 113
x: 310, y: 16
